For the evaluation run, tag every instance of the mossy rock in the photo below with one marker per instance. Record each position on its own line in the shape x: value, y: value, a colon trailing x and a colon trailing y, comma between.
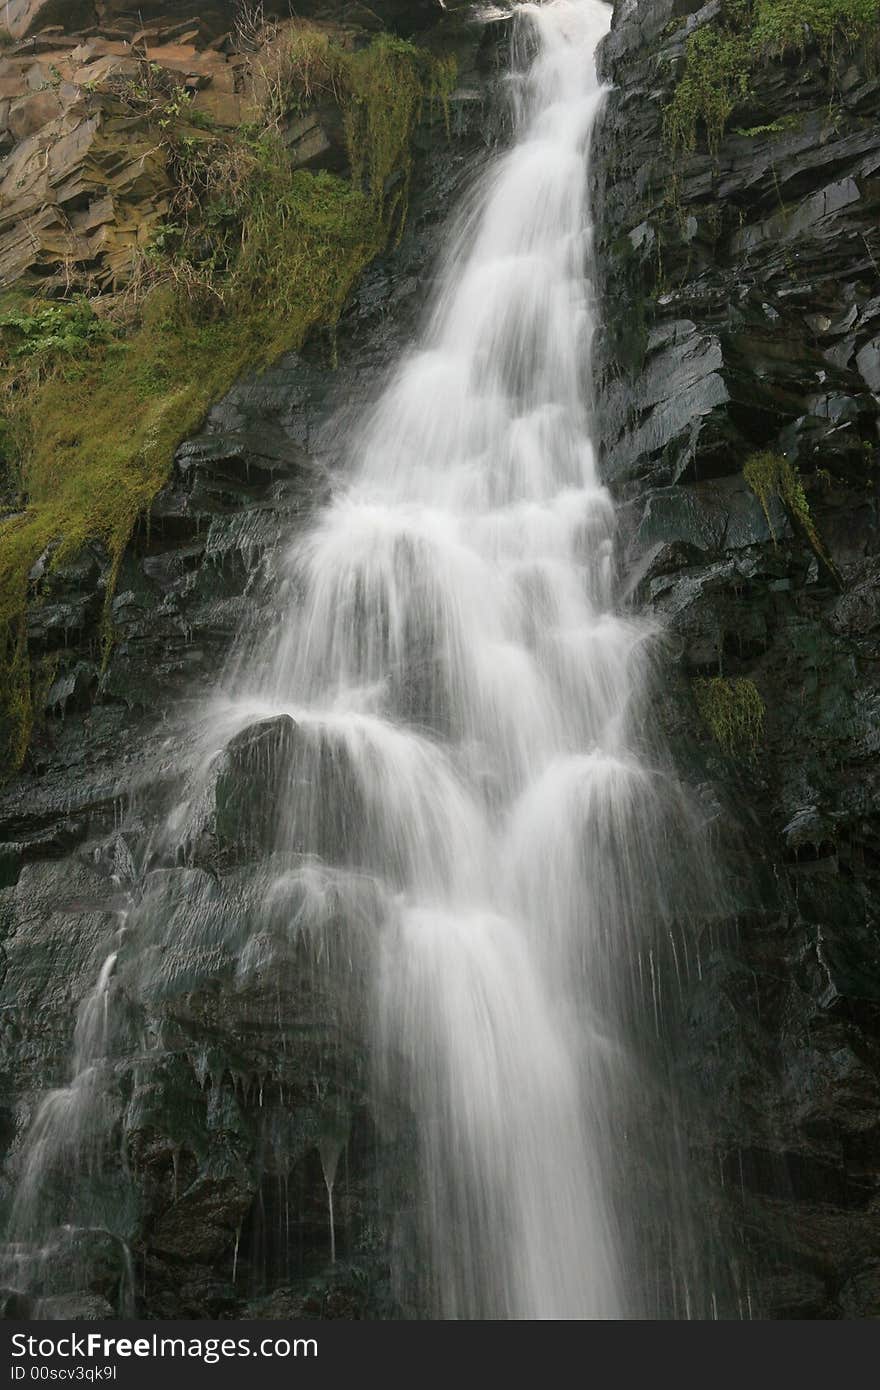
x: 723, y: 58
x: 733, y: 711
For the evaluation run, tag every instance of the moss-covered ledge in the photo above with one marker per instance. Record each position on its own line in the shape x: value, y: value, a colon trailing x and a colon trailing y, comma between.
x: 723, y: 53
x: 253, y: 254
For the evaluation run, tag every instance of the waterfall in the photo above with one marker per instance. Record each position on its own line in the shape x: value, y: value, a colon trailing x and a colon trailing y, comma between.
x: 460, y: 684
x: 449, y: 733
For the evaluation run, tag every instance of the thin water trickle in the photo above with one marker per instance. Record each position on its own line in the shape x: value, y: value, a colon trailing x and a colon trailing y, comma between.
x: 72, y: 1120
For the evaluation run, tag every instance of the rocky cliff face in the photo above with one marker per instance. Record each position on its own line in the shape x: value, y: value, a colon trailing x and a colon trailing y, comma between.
x: 737, y: 380
x: 224, y: 1094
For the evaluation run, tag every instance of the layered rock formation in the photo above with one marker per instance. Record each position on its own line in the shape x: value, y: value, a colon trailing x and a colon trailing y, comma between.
x: 84, y: 183
x: 737, y: 379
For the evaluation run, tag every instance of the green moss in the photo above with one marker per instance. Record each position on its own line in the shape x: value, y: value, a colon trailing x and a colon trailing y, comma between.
x: 255, y: 255
x: 382, y: 95
x: 721, y: 59
x: 733, y: 711
x: 770, y: 475
x: 381, y: 91
x: 716, y: 77
x: 781, y: 26
x: 16, y: 708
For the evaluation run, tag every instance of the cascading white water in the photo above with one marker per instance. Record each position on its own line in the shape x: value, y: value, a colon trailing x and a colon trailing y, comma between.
x: 456, y: 771
x: 456, y: 653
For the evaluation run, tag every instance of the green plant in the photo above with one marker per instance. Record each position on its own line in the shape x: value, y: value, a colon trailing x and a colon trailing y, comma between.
x: 380, y: 90
x: 733, y: 711
x: 49, y: 330
x: 716, y: 78
x: 791, y: 122
x: 772, y: 475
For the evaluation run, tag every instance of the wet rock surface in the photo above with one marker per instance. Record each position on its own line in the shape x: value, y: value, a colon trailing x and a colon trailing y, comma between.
x: 209, y: 1059
x: 741, y: 294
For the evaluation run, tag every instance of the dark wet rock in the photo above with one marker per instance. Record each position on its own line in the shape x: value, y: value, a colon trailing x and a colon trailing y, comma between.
x: 859, y: 1296
x: 75, y: 1308
x: 15, y: 1305
x: 710, y: 518
x: 56, y: 910
x: 249, y: 794
x: 742, y: 316
x: 200, y: 1227
x: 92, y: 1261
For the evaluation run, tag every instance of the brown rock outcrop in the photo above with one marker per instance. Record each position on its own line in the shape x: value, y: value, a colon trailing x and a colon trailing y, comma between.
x: 84, y: 181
